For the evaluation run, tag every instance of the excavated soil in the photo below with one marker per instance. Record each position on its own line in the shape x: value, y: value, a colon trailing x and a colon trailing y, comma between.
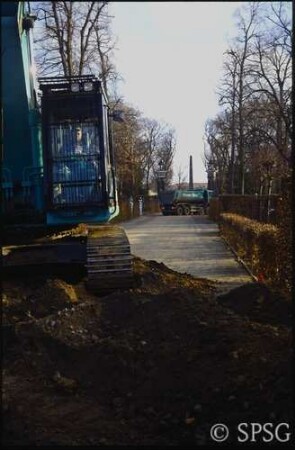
x: 158, y: 364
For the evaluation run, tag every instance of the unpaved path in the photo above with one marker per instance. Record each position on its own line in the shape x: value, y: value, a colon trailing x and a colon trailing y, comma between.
x: 187, y: 244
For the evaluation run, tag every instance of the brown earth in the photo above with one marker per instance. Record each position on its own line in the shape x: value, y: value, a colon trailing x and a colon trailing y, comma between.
x: 158, y: 364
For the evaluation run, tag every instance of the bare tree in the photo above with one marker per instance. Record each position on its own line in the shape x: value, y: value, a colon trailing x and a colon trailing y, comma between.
x: 255, y: 96
x: 152, y: 134
x: 281, y: 33
x: 228, y: 94
x: 265, y: 167
x: 128, y: 151
x: 166, y: 152
x: 218, y: 136
x: 272, y: 73
x: 140, y: 143
x: 73, y: 38
x: 247, y: 29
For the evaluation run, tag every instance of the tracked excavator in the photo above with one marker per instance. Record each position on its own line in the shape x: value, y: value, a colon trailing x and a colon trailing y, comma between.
x: 58, y: 168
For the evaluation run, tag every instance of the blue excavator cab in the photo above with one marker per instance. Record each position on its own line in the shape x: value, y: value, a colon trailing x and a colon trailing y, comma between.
x: 79, y: 172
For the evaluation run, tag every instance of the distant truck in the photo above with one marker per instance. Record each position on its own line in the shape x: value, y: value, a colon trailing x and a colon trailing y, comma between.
x: 184, y: 202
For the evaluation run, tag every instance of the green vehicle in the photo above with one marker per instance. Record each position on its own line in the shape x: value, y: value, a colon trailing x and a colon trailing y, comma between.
x: 185, y: 202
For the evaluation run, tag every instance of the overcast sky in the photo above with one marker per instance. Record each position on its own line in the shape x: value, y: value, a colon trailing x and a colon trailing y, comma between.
x: 170, y: 55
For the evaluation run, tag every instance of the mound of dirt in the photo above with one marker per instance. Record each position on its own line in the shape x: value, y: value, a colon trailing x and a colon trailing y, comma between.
x: 259, y: 302
x: 155, y: 365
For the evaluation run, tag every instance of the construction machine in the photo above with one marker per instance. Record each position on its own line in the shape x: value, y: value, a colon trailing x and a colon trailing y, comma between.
x: 58, y: 167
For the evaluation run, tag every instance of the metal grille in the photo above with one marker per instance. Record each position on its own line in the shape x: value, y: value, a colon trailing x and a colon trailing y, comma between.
x: 76, y: 165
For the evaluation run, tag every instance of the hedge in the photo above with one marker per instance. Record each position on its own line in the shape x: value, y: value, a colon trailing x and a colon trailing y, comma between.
x: 258, y: 244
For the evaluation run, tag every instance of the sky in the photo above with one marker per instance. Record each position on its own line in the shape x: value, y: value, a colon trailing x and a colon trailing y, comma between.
x: 170, y: 56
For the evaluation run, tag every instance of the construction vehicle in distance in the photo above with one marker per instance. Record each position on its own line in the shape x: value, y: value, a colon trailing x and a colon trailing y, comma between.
x: 185, y: 202
x: 58, y: 167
